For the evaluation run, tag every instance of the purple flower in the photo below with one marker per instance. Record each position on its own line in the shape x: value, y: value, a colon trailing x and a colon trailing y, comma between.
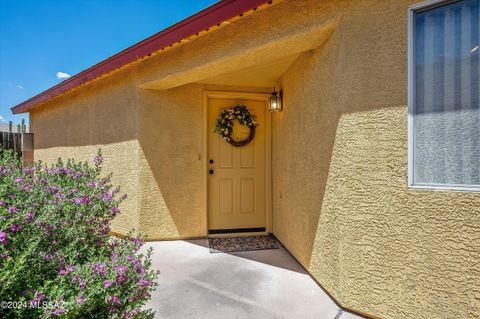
x: 91, y: 184
x: 58, y: 312
x: 39, y: 296
x: 12, y: 209
x: 71, y: 268
x: 143, y: 283
x: 129, y: 257
x: 97, y: 160
x: 99, y: 269
x: 18, y: 180
x: 107, y: 197
x: 139, y: 270
x: 138, y: 241
x: 83, y: 285
x: 14, y: 228
x: 103, y: 231
x: 120, y: 269
x: 107, y: 283
x: 4, y: 256
x: 52, y: 189
x: 115, y: 211
x: 121, y: 279
x: 74, y: 279
x: 29, y: 215
x: 3, y: 238
x: 80, y: 299
x: 114, y: 300
x: 2, y: 203
x: 83, y: 200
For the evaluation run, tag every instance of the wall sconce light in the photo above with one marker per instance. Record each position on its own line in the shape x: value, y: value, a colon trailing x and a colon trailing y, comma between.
x: 276, y: 101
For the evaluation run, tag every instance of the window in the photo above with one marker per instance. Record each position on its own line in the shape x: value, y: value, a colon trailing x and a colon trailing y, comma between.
x: 444, y: 88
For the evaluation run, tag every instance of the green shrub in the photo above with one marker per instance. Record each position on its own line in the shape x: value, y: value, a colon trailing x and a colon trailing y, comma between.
x: 56, y: 257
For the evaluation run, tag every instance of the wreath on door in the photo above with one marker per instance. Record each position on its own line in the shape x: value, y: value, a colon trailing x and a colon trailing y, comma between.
x: 225, y: 123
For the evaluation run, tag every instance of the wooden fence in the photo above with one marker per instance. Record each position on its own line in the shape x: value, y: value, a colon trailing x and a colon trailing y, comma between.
x: 20, y: 143
x: 11, y: 141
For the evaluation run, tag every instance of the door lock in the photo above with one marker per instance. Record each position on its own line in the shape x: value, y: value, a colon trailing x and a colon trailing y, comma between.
x: 211, y: 172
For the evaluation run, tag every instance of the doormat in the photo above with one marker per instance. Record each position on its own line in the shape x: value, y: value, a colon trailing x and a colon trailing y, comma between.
x: 245, y: 243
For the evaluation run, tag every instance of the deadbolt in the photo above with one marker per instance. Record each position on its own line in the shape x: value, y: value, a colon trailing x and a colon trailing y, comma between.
x: 211, y: 161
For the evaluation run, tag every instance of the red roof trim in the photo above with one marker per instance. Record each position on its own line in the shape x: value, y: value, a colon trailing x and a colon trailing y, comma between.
x: 211, y: 16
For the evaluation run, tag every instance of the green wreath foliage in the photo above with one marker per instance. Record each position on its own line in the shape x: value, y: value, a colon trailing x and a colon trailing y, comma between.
x: 226, y: 121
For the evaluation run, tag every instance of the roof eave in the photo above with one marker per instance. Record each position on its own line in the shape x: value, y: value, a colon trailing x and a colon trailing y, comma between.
x: 211, y: 16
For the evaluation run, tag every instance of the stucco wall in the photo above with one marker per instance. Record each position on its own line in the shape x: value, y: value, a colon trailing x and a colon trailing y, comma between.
x: 103, y: 116
x: 340, y: 198
x: 170, y: 136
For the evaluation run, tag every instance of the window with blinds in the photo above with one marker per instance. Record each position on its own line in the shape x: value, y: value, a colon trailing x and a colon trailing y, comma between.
x: 444, y: 89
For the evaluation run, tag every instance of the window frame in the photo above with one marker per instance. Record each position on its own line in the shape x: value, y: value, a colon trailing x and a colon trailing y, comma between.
x: 420, y: 7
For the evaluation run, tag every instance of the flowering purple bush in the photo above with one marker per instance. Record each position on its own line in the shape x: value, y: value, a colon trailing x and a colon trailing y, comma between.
x: 56, y: 257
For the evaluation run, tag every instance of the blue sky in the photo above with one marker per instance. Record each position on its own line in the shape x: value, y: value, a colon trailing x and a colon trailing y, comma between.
x: 38, y: 39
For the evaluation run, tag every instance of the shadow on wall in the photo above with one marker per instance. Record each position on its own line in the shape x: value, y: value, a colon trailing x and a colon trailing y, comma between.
x: 170, y: 136
x: 340, y: 198
x: 343, y: 76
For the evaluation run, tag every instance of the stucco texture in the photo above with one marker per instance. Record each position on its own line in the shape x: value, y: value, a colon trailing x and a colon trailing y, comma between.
x: 341, y: 204
x: 103, y: 117
x: 340, y: 198
x: 170, y: 136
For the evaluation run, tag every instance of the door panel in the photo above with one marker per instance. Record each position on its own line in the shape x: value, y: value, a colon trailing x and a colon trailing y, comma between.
x: 236, y: 189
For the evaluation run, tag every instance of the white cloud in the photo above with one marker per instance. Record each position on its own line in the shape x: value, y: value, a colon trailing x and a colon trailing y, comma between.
x: 19, y: 86
x: 63, y: 75
x: 2, y: 119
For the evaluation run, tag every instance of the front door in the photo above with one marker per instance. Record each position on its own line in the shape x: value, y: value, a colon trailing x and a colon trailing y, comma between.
x: 236, y: 177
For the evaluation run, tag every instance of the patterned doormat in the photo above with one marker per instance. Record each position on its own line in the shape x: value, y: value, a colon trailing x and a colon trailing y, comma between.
x: 245, y: 243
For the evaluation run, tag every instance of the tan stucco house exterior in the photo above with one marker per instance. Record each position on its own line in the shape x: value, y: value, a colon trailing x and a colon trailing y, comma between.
x: 338, y: 176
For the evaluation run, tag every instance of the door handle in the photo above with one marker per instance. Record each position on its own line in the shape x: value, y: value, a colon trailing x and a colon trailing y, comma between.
x: 211, y: 172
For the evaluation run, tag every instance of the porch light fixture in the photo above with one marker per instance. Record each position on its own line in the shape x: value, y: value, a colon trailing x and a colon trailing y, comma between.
x: 276, y: 101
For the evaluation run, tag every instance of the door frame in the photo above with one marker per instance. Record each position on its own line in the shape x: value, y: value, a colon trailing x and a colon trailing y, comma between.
x: 268, y: 149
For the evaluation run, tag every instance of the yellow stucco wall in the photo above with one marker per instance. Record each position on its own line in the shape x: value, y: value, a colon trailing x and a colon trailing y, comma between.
x: 103, y: 116
x: 170, y: 137
x: 339, y: 155
x: 340, y: 198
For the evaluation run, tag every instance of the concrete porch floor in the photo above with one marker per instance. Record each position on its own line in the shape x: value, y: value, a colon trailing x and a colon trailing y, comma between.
x: 257, y: 284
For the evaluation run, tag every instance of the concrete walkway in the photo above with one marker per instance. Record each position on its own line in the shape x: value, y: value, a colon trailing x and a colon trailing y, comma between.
x: 258, y: 284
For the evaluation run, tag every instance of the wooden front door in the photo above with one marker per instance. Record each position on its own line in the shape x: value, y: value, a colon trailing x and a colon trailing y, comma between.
x: 236, y: 177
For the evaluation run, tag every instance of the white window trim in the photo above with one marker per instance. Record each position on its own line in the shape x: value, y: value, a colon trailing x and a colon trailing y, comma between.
x: 429, y: 4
